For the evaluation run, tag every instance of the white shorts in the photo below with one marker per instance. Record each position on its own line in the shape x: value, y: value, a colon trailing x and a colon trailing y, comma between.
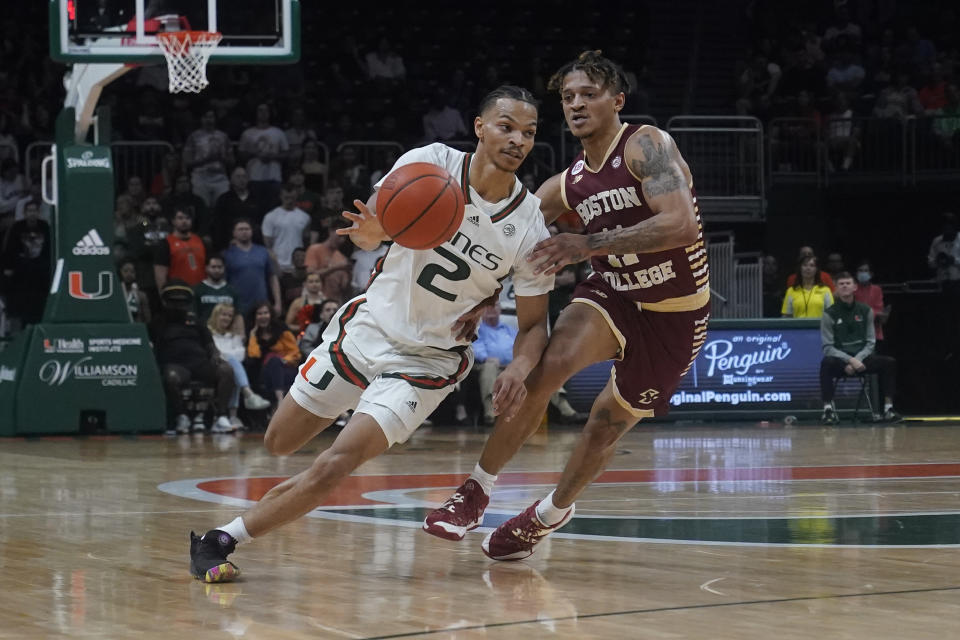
x: 358, y: 367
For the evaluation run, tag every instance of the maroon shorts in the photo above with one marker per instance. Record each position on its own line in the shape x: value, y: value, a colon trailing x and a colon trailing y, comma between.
x: 656, y: 347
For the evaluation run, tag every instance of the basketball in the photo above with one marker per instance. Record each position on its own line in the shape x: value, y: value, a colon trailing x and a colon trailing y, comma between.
x: 420, y: 205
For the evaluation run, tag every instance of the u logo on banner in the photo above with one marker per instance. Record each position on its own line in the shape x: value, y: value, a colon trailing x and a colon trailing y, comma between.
x: 104, y: 290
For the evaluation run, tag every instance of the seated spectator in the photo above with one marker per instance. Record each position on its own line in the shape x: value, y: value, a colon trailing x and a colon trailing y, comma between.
x: 944, y: 256
x: 13, y: 187
x: 214, y: 290
x: 848, y: 340
x: 442, y: 122
x: 205, y: 156
x: 314, y: 170
x: 493, y: 351
x: 182, y: 256
x: 809, y: 297
x: 806, y: 251
x: 291, y: 282
x: 364, y: 262
x: 162, y: 183
x: 772, y: 287
x: 137, y: 303
x: 223, y: 327
x: 902, y: 98
x: 883, y: 108
x: 845, y: 74
x: 298, y: 133
x: 275, y: 349
x: 842, y: 134
x: 263, y: 147
x: 332, y: 205
x: 842, y: 31
x: 794, y: 141
x: 33, y: 195
x: 312, y: 295
x: 933, y: 92
x: 386, y: 158
x: 334, y: 267
x: 916, y: 50
x: 756, y: 86
x: 313, y: 320
x: 184, y: 199
x: 350, y: 173
x: 285, y: 228
x: 384, y: 63
x: 834, y: 264
x: 25, y: 265
x: 946, y: 122
x: 135, y: 190
x: 872, y: 296
x: 125, y: 219
x: 305, y: 199
x: 185, y: 351
x: 235, y: 204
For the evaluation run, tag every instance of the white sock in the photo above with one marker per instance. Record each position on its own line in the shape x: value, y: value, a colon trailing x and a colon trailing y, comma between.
x: 827, y: 405
x: 484, y: 479
x: 548, y: 513
x: 238, y: 530
x: 887, y: 406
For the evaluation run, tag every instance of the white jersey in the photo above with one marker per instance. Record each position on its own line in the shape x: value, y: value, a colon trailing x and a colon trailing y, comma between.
x: 418, y: 295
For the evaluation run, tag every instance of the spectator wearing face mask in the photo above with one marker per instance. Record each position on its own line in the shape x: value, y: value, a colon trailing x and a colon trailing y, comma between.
x: 872, y: 296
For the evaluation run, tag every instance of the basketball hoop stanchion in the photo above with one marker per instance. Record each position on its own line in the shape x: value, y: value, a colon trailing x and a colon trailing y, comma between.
x: 187, y: 53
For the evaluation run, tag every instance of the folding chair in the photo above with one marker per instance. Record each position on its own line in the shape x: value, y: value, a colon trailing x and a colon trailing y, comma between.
x: 863, y: 395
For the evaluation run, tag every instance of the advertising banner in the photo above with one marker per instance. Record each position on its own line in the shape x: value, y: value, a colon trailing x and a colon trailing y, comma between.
x: 763, y: 367
x: 79, y: 369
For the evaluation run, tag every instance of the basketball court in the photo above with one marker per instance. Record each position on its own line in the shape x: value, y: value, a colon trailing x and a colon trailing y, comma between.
x: 695, y: 532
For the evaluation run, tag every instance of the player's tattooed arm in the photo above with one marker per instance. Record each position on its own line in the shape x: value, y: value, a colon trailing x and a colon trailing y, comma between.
x: 655, y: 161
x: 657, y: 171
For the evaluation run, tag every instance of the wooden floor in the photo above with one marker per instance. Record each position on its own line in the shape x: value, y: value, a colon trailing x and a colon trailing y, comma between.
x: 700, y: 531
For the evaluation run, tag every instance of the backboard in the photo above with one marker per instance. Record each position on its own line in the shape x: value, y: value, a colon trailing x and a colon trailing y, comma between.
x: 124, y: 31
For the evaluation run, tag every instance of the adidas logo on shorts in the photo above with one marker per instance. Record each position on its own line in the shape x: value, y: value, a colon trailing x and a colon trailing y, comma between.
x: 412, y: 404
x: 91, y: 245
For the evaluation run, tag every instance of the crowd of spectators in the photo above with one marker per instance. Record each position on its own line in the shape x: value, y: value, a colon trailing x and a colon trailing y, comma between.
x: 845, y: 66
x: 245, y: 208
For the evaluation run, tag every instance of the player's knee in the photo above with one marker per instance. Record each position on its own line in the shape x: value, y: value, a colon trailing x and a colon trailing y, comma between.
x: 556, y: 366
x: 274, y: 442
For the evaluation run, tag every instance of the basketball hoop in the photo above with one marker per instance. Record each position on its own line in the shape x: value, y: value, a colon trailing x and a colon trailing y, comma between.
x: 187, y: 53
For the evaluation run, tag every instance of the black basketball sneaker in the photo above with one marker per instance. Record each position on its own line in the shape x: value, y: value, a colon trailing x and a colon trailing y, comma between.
x: 208, y: 556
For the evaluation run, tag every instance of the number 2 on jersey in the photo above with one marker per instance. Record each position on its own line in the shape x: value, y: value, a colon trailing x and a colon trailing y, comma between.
x: 432, y: 270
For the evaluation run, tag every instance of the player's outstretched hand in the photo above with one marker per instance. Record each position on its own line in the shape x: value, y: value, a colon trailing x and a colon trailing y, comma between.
x: 465, y: 327
x: 365, y: 232
x: 509, y: 393
x: 553, y: 254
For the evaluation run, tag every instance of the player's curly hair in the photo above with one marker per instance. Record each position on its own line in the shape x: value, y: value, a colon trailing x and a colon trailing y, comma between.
x: 603, y: 71
x: 510, y: 91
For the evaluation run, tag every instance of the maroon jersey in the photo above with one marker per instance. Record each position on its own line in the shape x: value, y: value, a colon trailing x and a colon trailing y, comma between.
x: 611, y: 198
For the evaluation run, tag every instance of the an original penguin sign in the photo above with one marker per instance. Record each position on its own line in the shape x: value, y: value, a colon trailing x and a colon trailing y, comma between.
x: 754, y: 368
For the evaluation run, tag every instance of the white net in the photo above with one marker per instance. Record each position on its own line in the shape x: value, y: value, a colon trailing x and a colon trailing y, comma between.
x: 187, y: 53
